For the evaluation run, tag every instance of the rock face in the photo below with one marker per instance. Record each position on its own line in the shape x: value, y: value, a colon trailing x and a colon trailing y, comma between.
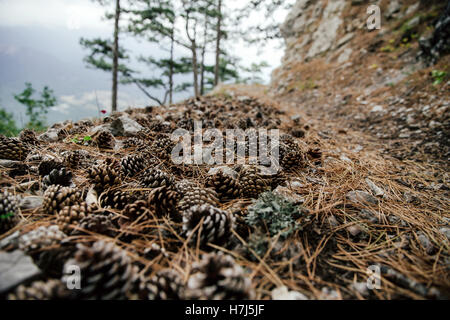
x: 311, y: 28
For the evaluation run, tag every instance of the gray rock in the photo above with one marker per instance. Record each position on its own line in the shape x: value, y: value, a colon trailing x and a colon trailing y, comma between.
x: 360, y: 196
x: 124, y: 126
x: 31, y: 202
x: 288, y: 195
x: 16, y: 267
x: 51, y: 135
x: 445, y: 231
x: 354, y: 230
x: 393, y: 8
x: 377, y: 191
x: 225, y: 170
x: 283, y: 293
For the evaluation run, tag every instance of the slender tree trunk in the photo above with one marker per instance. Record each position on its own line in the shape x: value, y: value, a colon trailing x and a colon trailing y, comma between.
x: 195, y: 67
x: 115, y: 56
x: 202, y: 66
x: 218, y: 36
x: 171, y: 66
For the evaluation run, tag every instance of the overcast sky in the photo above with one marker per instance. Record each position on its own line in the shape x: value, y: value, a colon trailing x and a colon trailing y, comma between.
x: 72, y: 19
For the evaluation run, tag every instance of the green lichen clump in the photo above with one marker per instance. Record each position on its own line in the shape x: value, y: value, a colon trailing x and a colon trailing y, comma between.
x: 275, y: 213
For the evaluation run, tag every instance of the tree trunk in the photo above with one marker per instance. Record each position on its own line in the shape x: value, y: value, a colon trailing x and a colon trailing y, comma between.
x: 202, y: 66
x: 218, y: 36
x: 195, y: 67
x: 115, y: 56
x: 171, y: 67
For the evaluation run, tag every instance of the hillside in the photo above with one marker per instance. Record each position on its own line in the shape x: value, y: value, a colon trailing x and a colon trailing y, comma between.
x: 362, y: 184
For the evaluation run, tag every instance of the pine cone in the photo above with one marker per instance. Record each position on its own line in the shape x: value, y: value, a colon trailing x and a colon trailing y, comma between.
x: 97, y: 222
x: 185, y: 185
x: 116, y: 199
x: 132, y: 165
x: 225, y: 185
x: 105, y: 140
x: 62, y: 177
x: 218, y: 277
x: 198, y: 196
x: 164, y: 200
x: 28, y: 137
x: 9, y: 210
x: 252, y: 183
x: 103, y: 176
x: 71, y: 216
x: 57, y: 197
x: 134, y: 211
x: 291, y: 157
x: 216, y: 226
x: 106, y: 272
x: 164, y: 285
x: 72, y: 159
x: 47, y: 246
x: 162, y: 147
x: 12, y: 149
x: 40, y: 290
x: 46, y: 166
x: 135, y: 143
x: 155, y: 178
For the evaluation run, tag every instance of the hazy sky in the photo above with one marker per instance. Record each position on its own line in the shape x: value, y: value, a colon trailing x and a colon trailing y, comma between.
x: 60, y: 23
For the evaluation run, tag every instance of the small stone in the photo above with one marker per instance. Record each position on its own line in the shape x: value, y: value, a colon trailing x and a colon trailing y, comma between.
x: 227, y: 171
x: 51, y: 135
x: 16, y: 267
x: 377, y: 108
x: 282, y: 293
x: 361, y: 287
x: 354, y: 230
x: 378, y: 192
x: 31, y: 202
x: 288, y: 194
x: 445, y: 231
x: 360, y: 196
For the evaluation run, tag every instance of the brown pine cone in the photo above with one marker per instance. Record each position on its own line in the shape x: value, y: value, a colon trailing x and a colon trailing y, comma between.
x: 218, y: 277
x: 9, y: 211
x: 72, y: 159
x: 116, y: 199
x: 71, y: 216
x: 47, y: 165
x: 57, y: 197
x: 12, y: 149
x: 132, y: 165
x: 155, y: 178
x: 28, y: 137
x: 105, y: 140
x: 198, y: 196
x: 216, y: 225
x: 164, y: 200
x: 48, y: 247
x: 226, y: 186
x: 252, y: 183
x: 103, y: 177
x: 96, y: 222
x: 40, y: 290
x: 166, y: 284
x: 138, y: 210
x: 62, y: 177
x: 106, y: 272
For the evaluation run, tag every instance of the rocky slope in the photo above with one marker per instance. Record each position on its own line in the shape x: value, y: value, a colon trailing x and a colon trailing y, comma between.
x: 335, y: 68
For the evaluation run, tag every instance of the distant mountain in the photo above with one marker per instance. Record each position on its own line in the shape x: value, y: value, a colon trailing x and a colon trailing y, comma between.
x: 50, y: 57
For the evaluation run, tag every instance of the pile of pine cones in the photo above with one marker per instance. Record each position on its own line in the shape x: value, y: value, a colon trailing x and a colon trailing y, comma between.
x: 120, y: 210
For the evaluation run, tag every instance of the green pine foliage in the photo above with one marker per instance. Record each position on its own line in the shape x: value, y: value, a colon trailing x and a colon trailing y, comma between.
x: 7, y: 124
x: 36, y: 108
